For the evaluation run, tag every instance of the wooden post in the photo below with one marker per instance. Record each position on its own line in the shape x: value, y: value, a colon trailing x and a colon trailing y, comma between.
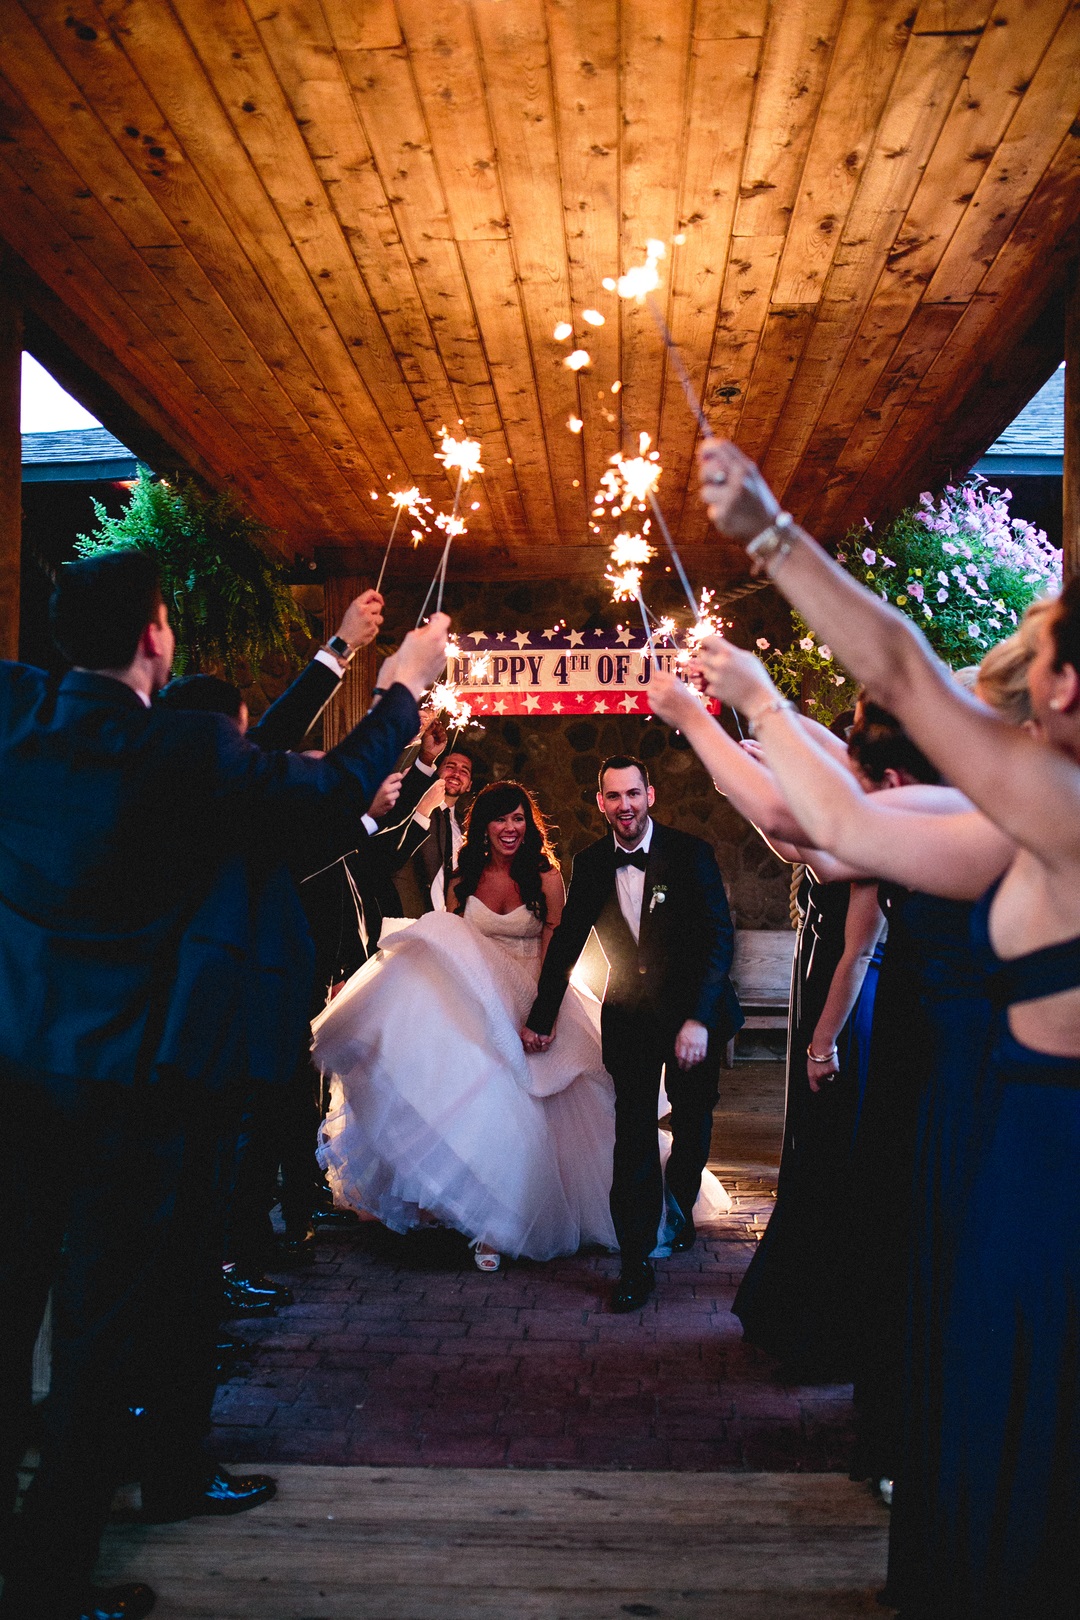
x: 10, y: 474
x: 351, y: 703
x: 1070, y: 492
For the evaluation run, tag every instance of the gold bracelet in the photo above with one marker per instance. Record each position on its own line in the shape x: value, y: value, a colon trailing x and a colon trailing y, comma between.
x: 772, y: 544
x: 814, y: 1058
x: 775, y: 707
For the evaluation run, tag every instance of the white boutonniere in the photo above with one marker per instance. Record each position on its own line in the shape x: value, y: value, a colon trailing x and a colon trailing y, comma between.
x: 659, y: 895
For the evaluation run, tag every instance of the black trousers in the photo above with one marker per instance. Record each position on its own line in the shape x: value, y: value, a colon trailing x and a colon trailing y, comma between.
x: 281, y: 1131
x: 637, y: 1044
x: 106, y: 1195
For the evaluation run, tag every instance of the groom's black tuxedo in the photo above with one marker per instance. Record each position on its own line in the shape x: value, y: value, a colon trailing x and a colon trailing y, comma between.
x: 677, y: 970
x: 124, y: 981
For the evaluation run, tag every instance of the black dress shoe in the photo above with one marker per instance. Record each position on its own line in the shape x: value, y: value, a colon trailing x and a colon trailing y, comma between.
x: 684, y: 1238
x: 119, y: 1602
x: 321, y: 1216
x: 222, y: 1494
x: 252, y: 1296
x: 636, y: 1282
x: 297, y: 1248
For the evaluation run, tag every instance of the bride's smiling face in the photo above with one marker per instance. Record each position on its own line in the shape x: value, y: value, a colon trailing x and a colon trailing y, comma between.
x: 506, y: 834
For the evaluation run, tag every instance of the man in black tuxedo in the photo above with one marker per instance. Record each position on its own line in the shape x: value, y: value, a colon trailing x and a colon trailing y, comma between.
x: 656, y: 899
x: 424, y: 850
x: 125, y: 1009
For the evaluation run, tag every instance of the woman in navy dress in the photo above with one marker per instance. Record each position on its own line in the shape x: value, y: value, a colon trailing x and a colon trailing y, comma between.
x: 999, y: 1502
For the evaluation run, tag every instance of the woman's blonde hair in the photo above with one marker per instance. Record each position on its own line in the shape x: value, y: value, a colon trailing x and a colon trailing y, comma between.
x: 1003, y: 673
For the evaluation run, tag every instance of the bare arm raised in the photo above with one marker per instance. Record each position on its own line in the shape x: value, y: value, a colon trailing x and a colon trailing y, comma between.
x: 947, y: 848
x: 1032, y: 793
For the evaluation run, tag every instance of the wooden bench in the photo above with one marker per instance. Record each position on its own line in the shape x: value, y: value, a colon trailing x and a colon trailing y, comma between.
x: 761, y: 975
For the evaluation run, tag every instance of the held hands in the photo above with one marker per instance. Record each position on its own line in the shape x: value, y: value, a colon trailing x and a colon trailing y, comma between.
x: 733, y: 675
x: 363, y: 616
x: 672, y: 701
x: 691, y: 1044
x: 420, y: 659
x: 533, y: 1043
x: 386, y: 796
x: 433, y: 799
x: 433, y: 738
x: 739, y: 500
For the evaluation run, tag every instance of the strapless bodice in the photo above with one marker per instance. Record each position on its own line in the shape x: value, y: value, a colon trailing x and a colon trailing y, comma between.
x: 517, y: 931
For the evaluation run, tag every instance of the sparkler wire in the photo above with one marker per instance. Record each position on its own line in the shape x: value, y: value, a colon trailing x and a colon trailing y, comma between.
x: 676, y: 559
x: 389, y: 543
x: 680, y: 367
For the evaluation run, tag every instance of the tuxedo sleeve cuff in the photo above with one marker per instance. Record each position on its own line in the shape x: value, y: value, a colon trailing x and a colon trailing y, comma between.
x: 422, y: 820
x: 323, y: 657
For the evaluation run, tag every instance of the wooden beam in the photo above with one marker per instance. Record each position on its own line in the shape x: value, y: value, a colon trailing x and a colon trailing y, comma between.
x: 10, y: 472
x: 349, y: 707
x: 1070, y: 527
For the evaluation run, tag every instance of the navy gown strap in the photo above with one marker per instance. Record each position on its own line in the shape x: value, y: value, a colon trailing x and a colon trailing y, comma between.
x: 1038, y: 973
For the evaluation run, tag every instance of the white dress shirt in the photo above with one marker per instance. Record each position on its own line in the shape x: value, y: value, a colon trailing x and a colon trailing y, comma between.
x: 630, y: 883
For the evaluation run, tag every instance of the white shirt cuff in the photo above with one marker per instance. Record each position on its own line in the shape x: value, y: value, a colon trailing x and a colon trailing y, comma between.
x: 422, y: 820
x: 370, y: 825
x: 428, y: 770
x: 323, y: 657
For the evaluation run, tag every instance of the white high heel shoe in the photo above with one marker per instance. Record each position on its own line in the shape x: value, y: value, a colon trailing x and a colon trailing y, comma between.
x: 485, y: 1259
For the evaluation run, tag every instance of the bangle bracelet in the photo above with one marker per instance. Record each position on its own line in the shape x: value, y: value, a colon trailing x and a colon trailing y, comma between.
x: 777, y: 705
x: 772, y: 544
x: 817, y: 1057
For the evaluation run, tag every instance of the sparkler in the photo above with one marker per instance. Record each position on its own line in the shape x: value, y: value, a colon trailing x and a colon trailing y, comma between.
x: 464, y: 454
x: 405, y: 500
x: 639, y: 284
x: 628, y: 553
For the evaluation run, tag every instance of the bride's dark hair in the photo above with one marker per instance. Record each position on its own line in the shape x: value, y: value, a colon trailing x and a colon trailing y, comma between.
x: 534, y: 857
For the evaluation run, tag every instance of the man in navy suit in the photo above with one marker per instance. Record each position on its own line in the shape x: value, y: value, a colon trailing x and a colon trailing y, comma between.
x: 125, y: 987
x: 656, y: 900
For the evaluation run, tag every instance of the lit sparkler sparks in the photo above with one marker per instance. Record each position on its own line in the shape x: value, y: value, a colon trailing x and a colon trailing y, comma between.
x: 464, y: 454
x: 578, y: 360
x: 445, y: 699
x: 405, y: 500
x: 631, y: 551
x: 452, y: 524
x: 642, y: 279
x: 479, y: 667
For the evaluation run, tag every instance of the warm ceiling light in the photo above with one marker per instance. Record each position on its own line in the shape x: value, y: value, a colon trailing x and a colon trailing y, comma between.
x: 577, y: 360
x: 563, y: 331
x: 593, y: 316
x: 575, y: 424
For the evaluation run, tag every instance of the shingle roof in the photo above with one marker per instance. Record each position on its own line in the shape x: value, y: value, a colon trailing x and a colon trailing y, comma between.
x: 1039, y: 430
x: 73, y: 444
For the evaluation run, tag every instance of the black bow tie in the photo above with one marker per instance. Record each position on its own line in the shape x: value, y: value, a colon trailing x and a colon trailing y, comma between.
x: 631, y: 857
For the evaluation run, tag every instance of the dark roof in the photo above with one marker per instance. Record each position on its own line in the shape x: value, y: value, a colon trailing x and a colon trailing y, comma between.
x: 1034, y: 441
x: 83, y: 454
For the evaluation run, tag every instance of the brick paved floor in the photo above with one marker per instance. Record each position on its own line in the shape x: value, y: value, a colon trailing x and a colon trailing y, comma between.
x: 398, y: 1351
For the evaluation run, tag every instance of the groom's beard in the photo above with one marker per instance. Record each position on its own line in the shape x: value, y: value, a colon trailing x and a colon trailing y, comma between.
x: 629, y: 837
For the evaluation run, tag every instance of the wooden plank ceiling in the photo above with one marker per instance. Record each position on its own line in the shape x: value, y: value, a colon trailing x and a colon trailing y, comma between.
x: 299, y: 236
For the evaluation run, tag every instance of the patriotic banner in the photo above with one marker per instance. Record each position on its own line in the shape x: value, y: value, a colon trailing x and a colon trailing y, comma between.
x: 560, y: 671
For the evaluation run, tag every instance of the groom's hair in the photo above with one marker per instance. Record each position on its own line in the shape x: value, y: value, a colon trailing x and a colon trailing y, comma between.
x: 623, y: 762
x: 102, y: 605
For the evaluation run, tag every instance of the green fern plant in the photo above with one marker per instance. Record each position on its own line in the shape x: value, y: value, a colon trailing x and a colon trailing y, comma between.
x: 228, y: 599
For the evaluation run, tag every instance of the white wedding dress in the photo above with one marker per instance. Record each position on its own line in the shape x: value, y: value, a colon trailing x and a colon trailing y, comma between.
x: 437, y: 1111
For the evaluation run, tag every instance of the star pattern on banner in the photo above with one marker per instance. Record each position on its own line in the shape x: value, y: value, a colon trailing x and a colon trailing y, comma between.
x: 575, y: 638
x: 547, y: 634
x: 629, y: 702
x: 499, y: 705
x: 522, y: 640
x: 477, y: 636
x: 623, y: 636
x: 531, y: 701
x: 501, y: 636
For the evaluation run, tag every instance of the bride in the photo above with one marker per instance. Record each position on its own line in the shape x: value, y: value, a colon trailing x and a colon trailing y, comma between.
x: 436, y: 1110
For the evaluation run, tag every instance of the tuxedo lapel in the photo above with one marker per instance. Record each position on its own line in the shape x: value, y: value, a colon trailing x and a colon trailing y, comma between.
x: 656, y: 875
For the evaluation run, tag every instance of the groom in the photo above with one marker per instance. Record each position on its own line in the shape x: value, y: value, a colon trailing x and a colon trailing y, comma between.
x: 656, y: 899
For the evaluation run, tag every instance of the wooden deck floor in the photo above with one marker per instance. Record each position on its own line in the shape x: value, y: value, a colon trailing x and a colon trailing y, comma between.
x: 497, y: 1544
